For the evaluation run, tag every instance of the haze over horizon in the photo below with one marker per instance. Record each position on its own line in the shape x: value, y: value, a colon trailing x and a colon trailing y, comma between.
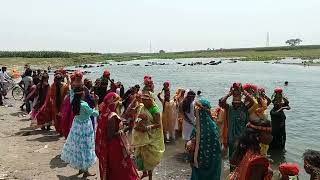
x: 179, y: 25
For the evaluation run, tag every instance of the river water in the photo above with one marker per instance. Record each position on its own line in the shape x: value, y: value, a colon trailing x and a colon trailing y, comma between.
x: 303, y: 120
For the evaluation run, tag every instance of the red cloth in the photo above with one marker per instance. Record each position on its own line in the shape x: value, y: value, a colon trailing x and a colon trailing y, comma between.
x: 76, y: 74
x: 66, y: 117
x: 44, y: 116
x: 106, y: 74
x: 56, y: 110
x: 278, y: 90
x: 147, y: 80
x: 289, y: 169
x: 113, y: 162
x: 248, y: 162
x: 254, y: 87
x: 166, y: 84
x: 246, y: 86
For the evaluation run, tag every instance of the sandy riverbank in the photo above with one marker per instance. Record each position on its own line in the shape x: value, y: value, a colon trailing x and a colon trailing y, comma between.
x: 33, y: 154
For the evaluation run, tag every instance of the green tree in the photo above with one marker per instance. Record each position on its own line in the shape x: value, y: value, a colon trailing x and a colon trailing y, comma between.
x: 293, y: 42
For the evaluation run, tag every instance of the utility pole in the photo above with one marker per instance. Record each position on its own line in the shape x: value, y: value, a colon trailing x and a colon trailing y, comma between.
x: 150, y: 47
x: 268, y: 40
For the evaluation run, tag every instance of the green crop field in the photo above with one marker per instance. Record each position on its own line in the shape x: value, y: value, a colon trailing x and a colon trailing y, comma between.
x: 63, y: 59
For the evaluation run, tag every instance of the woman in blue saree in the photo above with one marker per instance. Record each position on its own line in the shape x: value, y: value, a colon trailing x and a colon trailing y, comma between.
x: 207, y: 154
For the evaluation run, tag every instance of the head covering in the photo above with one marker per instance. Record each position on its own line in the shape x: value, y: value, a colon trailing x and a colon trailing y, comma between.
x: 250, y: 87
x: 278, y: 90
x: 289, y: 169
x: 106, y: 74
x: 246, y: 86
x: 147, y: 80
x: 167, y: 84
x: 109, y: 102
x: 75, y: 75
x: 277, y: 96
x: 147, y: 77
x: 254, y: 87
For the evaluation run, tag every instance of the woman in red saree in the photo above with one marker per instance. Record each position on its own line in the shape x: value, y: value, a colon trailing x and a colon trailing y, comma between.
x: 41, y: 113
x: 58, y: 92
x: 111, y: 144
x: 250, y: 164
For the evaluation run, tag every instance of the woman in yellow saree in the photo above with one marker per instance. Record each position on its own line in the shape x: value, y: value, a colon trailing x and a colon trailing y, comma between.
x: 147, y: 137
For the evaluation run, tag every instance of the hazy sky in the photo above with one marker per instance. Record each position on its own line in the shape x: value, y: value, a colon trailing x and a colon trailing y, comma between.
x: 172, y: 25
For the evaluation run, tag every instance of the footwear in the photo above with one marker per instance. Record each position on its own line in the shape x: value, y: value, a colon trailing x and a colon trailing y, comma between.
x: 87, y: 174
x: 48, y: 128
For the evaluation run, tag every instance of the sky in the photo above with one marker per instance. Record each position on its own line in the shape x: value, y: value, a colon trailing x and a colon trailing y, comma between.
x: 172, y: 25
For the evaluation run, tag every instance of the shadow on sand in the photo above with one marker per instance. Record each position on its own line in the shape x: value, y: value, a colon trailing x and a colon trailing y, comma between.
x: 46, y: 138
x: 73, y: 177
x: 18, y: 114
x: 56, y: 162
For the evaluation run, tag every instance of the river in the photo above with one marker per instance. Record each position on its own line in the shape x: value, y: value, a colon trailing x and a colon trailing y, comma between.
x: 303, y: 120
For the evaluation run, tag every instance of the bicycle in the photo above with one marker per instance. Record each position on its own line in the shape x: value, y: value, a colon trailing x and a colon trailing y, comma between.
x: 16, y: 91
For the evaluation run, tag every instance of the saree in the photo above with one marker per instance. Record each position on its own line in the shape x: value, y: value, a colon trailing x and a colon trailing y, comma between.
x: 43, y: 109
x: 169, y: 118
x: 207, y: 156
x: 149, y: 146
x: 221, y: 118
x: 67, y: 116
x: 249, y: 161
x: 114, y: 159
x: 56, y: 108
x: 237, y: 121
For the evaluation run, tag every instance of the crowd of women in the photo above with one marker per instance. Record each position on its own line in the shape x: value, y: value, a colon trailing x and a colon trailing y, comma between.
x: 96, y: 119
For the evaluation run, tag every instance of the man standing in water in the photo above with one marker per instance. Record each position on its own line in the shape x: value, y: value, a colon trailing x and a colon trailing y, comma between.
x: 278, y: 119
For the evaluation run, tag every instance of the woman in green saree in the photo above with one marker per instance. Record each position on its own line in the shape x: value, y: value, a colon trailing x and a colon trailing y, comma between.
x: 207, y: 152
x: 147, y: 137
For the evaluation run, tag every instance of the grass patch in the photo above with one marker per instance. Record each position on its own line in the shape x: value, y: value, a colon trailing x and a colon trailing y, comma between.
x: 62, y: 59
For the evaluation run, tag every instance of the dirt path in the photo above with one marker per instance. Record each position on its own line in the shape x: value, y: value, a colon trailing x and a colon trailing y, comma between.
x: 33, y: 154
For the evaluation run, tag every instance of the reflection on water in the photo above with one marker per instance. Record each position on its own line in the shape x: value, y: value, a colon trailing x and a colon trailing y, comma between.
x: 214, y: 81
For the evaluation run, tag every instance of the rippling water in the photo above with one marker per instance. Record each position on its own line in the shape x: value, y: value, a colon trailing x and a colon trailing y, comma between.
x: 303, y: 121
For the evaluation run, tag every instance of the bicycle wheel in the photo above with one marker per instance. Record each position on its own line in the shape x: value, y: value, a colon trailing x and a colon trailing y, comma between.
x: 17, y: 93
